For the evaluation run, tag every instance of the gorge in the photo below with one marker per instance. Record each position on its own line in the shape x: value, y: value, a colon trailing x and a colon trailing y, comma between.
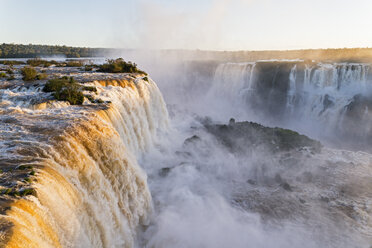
x: 128, y: 168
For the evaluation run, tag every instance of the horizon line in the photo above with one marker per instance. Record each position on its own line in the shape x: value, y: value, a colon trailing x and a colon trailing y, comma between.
x: 191, y: 50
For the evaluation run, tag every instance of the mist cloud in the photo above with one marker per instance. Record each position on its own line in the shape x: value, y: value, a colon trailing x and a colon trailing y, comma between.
x: 167, y: 26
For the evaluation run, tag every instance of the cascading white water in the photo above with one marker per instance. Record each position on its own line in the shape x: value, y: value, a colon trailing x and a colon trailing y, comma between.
x: 91, y: 192
x: 292, y: 89
x: 203, y: 192
x: 327, y: 90
x: 306, y: 95
x: 233, y: 80
x: 231, y: 84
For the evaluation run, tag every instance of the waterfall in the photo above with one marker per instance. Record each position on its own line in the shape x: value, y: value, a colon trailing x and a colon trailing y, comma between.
x: 90, y: 189
x: 292, y: 90
x: 299, y: 93
x: 233, y: 80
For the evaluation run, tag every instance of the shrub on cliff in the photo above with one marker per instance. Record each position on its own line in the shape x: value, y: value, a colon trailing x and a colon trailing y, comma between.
x: 11, y: 62
x: 41, y: 62
x: 119, y: 66
x: 28, y: 73
x: 74, y: 63
x: 90, y: 88
x: 90, y: 67
x: 65, y: 89
x: 41, y: 76
x: 70, y: 94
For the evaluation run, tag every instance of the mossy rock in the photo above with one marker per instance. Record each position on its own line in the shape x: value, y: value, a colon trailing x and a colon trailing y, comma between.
x: 239, y: 136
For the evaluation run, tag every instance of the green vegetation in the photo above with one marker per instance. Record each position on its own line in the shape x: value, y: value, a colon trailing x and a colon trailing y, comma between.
x: 28, y: 191
x: 22, y: 192
x: 74, y: 64
x: 28, y: 73
x: 90, y: 88
x: 41, y: 62
x: 70, y: 94
x: 27, y: 180
x: 341, y: 54
x: 24, y: 167
x: 65, y: 89
x: 241, y: 136
x: 2, y: 74
x: 11, y: 62
x: 34, y: 51
x: 57, y: 84
x: 90, y: 98
x: 47, y: 63
x: 89, y: 67
x: 119, y: 66
x: 41, y: 76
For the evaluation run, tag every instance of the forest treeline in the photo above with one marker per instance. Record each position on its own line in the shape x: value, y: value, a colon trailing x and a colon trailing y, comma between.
x: 332, y: 54
x: 33, y: 51
x: 339, y: 54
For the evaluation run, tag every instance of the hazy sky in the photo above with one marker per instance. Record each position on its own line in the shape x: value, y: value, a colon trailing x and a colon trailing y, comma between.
x: 190, y: 24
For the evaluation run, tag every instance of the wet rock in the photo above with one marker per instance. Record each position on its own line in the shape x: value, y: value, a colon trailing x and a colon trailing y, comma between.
x: 278, y: 178
x: 164, y: 171
x: 232, y: 121
x: 327, y: 103
x: 286, y: 186
x: 251, y: 182
x: 307, y: 177
x: 183, y: 154
x: 192, y: 139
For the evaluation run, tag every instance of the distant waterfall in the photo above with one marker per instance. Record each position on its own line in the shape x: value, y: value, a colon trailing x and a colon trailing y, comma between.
x: 286, y: 91
x: 91, y: 192
x: 233, y: 79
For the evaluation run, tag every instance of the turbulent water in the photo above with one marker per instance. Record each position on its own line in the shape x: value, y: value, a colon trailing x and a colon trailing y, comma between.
x: 127, y: 174
x: 206, y: 195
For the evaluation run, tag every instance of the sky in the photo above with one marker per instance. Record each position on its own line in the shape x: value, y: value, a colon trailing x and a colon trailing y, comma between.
x: 189, y: 24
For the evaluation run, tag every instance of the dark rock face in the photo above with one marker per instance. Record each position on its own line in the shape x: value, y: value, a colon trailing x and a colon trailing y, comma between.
x: 327, y: 103
x: 271, y: 87
x: 356, y: 119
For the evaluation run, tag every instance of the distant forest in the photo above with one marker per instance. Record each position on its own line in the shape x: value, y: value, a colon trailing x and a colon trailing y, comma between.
x: 337, y: 55
x: 334, y: 55
x: 33, y: 51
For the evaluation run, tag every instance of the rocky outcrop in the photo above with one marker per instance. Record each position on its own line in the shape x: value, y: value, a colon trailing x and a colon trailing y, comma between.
x: 244, y: 136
